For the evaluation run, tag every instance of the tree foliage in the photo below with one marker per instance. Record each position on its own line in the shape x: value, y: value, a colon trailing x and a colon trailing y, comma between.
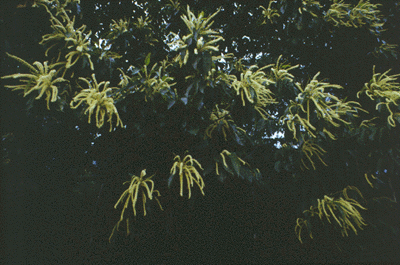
x: 274, y: 104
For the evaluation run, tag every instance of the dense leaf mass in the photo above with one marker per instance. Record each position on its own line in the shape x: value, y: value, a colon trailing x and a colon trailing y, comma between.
x: 278, y: 119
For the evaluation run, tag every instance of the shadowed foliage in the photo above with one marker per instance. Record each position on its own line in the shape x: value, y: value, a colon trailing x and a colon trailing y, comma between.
x: 278, y: 119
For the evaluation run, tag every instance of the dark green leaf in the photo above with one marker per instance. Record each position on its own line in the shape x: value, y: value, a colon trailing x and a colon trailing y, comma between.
x: 235, y: 163
x: 170, y: 179
x: 147, y: 60
x: 247, y: 174
x: 184, y: 100
x: 277, y: 166
x: 135, y: 71
x: 189, y: 41
x: 236, y: 134
x: 195, y: 63
x: 222, y: 176
x: 194, y: 131
x: 171, y: 103
x: 207, y: 63
x: 188, y: 89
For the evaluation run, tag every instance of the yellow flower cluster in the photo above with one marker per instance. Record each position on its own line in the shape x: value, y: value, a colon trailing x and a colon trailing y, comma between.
x: 326, y: 106
x: 220, y: 118
x: 384, y: 86
x: 43, y: 79
x: 81, y: 44
x: 309, y: 148
x: 270, y: 13
x: 199, y: 31
x: 95, y: 99
x: 121, y: 26
x: 154, y: 80
x: 307, y: 5
x: 133, y: 191
x: 187, y: 169
x: 386, y: 48
x: 341, y: 14
x: 132, y: 195
x: 342, y: 209
x: 281, y: 72
x: 144, y: 25
x: 253, y: 84
x: 57, y: 4
x: 80, y: 40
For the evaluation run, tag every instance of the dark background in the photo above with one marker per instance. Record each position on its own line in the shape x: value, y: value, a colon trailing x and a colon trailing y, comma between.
x: 58, y: 189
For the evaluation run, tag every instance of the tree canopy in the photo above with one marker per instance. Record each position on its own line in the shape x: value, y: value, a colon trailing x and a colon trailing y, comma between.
x: 243, y: 131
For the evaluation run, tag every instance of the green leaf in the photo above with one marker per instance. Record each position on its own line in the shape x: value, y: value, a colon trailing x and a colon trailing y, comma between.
x: 247, y: 174
x: 207, y: 63
x: 194, y: 131
x: 225, y: 167
x: 258, y: 175
x: 252, y: 93
x: 195, y: 63
x: 277, y: 166
x: 201, y: 85
x: 147, y: 60
x: 171, y: 104
x: 372, y: 135
x: 184, y: 100
x: 199, y: 102
x: 236, y: 133
x: 170, y: 179
x: 221, y: 176
x: 188, y: 89
x: 135, y: 71
x: 189, y: 41
x: 235, y: 163
x: 322, y: 134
